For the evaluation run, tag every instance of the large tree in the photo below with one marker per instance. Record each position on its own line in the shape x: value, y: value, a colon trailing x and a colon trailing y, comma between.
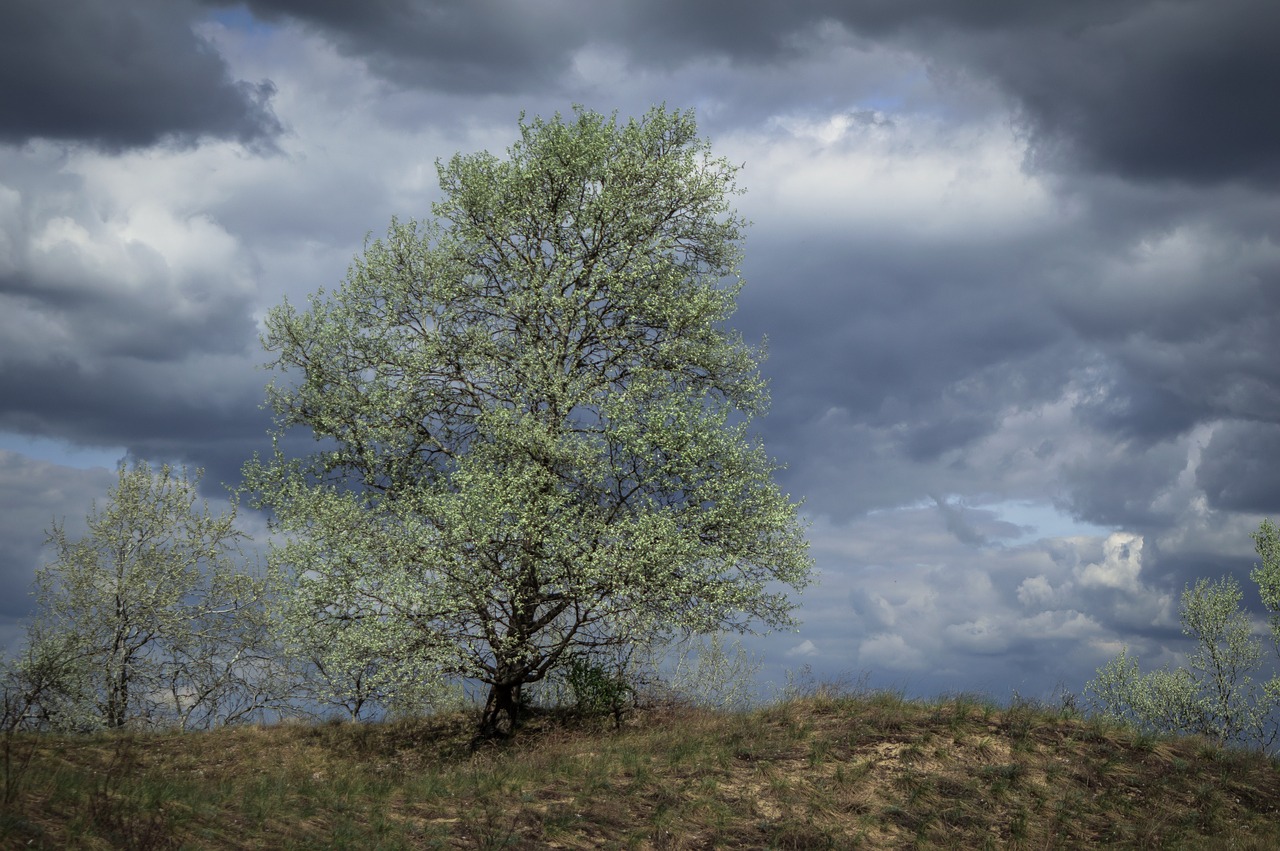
x: 533, y: 420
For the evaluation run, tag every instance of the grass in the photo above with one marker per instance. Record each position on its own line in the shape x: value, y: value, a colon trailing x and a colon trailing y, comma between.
x: 821, y: 771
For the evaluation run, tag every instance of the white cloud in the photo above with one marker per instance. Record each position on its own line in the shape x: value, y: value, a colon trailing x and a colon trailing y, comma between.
x: 877, y: 176
x: 804, y: 648
x: 144, y: 250
x: 890, y: 652
x: 1035, y: 591
x: 1066, y: 624
x: 1120, y: 566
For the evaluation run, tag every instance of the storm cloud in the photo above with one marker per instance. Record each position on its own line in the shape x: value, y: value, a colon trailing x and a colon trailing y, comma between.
x: 1016, y: 262
x: 121, y: 75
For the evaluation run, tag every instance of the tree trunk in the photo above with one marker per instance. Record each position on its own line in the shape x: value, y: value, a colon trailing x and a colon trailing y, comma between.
x: 117, y: 697
x: 501, y: 711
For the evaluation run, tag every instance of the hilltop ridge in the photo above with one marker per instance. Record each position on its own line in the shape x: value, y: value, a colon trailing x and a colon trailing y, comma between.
x: 823, y: 771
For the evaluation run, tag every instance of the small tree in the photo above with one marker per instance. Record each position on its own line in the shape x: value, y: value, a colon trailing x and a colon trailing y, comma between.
x: 534, y: 419
x: 707, y: 672
x: 1216, y: 694
x: 146, y: 619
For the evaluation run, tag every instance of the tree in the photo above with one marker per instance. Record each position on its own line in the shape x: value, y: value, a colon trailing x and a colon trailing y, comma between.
x: 1266, y: 542
x: 146, y: 619
x: 1216, y: 694
x: 533, y: 419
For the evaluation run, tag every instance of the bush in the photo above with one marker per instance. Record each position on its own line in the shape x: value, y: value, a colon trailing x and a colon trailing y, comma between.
x: 597, y: 690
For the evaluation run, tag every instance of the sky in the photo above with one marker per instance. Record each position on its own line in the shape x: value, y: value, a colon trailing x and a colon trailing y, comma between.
x: 1017, y: 263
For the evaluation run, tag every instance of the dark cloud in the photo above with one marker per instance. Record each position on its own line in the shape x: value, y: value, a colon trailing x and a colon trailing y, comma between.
x: 1238, y: 469
x: 153, y: 326
x: 35, y: 494
x: 476, y: 48
x: 1122, y: 487
x: 203, y: 414
x: 1173, y: 91
x: 1150, y: 90
x: 1143, y: 412
x: 508, y: 46
x: 928, y: 440
x: 1176, y: 90
x: 120, y: 75
x: 1194, y: 346
x: 898, y: 333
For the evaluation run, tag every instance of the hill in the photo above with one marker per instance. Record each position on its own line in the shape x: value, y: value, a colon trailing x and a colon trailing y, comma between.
x: 872, y: 771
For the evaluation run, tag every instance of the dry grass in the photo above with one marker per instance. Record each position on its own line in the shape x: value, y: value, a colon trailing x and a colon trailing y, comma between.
x: 825, y: 771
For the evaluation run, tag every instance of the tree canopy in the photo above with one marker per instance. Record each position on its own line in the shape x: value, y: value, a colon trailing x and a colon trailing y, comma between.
x: 533, y: 419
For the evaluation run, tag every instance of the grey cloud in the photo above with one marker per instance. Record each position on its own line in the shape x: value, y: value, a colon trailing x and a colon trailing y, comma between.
x: 1149, y: 90
x: 893, y: 337
x: 203, y: 413
x: 1120, y: 484
x: 121, y: 75
x: 1237, y: 469
x: 1163, y: 370
x: 1141, y: 411
x: 35, y: 494
x: 928, y: 440
x: 505, y: 46
x: 478, y: 48
x: 1033, y: 616
x: 147, y: 327
x: 1172, y: 91
x: 85, y: 280
x: 972, y: 527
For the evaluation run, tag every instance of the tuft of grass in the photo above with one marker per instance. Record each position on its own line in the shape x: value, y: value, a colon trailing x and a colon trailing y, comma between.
x: 826, y: 769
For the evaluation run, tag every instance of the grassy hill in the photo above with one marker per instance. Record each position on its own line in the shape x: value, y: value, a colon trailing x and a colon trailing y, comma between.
x: 872, y: 771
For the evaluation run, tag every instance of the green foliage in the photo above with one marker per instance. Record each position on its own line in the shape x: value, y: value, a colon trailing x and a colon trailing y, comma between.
x: 322, y: 677
x: 1215, y: 694
x: 596, y: 689
x: 1163, y: 700
x: 707, y: 672
x: 47, y: 684
x: 1266, y: 542
x: 533, y: 421
x: 146, y: 620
